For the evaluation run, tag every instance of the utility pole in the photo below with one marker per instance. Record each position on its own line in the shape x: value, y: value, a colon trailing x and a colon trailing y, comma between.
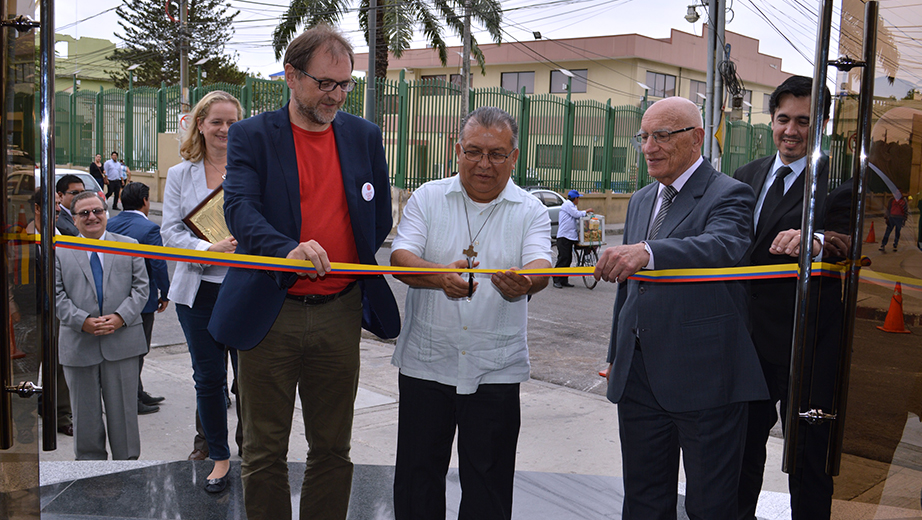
x: 185, y: 105
x: 466, y: 61
x: 372, y: 55
x: 721, y: 16
x: 709, y: 89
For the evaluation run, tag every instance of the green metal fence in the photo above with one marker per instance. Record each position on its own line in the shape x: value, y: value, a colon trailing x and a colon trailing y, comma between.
x: 584, y: 145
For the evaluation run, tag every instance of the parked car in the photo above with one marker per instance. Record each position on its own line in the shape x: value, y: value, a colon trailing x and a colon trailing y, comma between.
x: 552, y: 201
x: 22, y: 183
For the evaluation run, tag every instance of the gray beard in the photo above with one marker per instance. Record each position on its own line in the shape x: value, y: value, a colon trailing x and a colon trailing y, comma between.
x: 314, y: 115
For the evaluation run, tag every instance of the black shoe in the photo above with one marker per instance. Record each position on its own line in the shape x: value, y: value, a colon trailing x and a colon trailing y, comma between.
x: 66, y: 430
x: 567, y: 284
x: 144, y: 409
x: 882, y: 248
x: 148, y: 399
x: 216, y: 485
x: 558, y: 285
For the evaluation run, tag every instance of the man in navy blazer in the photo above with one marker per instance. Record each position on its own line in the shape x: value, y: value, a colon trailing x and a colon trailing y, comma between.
x: 683, y: 366
x: 133, y: 222
x: 306, y: 182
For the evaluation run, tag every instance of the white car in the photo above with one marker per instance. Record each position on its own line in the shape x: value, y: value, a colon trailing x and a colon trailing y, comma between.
x: 552, y: 201
x: 22, y: 183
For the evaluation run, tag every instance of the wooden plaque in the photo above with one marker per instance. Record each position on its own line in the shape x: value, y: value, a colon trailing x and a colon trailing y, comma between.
x: 207, y: 219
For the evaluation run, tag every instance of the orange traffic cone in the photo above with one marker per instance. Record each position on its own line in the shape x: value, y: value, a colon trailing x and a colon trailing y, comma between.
x: 894, y: 321
x: 871, y: 238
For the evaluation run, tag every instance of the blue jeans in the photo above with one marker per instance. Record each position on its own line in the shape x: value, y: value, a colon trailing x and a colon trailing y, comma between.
x: 893, y: 223
x: 209, y: 370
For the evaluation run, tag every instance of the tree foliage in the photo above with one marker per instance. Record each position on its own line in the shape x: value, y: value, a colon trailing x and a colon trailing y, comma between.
x: 397, y: 21
x: 152, y: 40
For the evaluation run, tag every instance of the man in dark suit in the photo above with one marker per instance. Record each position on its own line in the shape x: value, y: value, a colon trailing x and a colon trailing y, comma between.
x: 778, y: 181
x: 98, y: 299
x: 67, y: 187
x: 306, y: 182
x: 683, y: 366
x: 133, y: 221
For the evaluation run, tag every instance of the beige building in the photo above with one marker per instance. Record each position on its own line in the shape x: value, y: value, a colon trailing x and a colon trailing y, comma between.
x: 603, y: 68
x: 86, y: 57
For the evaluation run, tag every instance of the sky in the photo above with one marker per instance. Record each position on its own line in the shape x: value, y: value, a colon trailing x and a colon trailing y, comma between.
x: 555, y: 19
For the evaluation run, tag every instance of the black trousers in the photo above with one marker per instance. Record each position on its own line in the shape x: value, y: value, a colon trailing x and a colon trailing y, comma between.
x: 564, y: 256
x: 811, y: 488
x: 115, y: 187
x: 488, y: 431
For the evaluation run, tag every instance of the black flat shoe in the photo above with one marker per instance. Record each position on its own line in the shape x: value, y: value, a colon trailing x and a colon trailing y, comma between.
x: 216, y: 485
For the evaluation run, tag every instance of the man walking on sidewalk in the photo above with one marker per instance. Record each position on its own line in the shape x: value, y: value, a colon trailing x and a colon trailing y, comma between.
x: 113, y: 170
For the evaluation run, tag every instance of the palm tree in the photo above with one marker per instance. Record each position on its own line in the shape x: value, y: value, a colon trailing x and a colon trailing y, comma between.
x: 396, y: 22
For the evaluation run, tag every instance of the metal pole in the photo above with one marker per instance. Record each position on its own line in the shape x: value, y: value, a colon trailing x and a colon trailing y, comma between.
x: 709, y: 89
x: 47, y: 336
x: 718, y: 110
x: 466, y: 61
x: 859, y: 174
x: 6, y: 372
x: 185, y: 105
x: 372, y: 54
x: 814, y: 156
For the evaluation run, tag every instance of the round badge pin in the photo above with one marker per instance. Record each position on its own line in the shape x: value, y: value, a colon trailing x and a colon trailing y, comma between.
x: 368, y: 191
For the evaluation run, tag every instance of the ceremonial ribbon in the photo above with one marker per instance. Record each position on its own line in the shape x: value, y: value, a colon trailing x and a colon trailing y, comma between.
x: 763, y: 272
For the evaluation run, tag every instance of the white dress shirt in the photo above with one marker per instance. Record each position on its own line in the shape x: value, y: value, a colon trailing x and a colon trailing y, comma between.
x: 458, y: 342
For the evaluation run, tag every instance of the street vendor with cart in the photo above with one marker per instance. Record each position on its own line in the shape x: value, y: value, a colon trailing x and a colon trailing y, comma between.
x: 567, y: 238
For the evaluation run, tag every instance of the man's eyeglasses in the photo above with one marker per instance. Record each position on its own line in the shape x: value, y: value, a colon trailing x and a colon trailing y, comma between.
x: 661, y: 136
x: 328, y: 85
x: 86, y: 213
x: 477, y: 156
x: 74, y: 192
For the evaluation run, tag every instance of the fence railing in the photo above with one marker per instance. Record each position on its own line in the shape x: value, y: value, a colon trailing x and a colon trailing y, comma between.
x: 584, y: 145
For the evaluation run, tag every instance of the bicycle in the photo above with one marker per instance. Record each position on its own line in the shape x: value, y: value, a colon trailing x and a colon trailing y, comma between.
x: 587, y: 256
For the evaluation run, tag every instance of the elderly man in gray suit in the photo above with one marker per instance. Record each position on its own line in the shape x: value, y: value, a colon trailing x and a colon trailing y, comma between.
x: 99, y: 298
x: 683, y: 366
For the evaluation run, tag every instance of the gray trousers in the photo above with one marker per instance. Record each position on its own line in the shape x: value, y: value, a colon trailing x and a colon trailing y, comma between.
x: 116, y: 384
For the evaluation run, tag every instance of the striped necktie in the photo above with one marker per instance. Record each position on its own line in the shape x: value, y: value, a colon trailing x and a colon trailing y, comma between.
x: 669, y: 193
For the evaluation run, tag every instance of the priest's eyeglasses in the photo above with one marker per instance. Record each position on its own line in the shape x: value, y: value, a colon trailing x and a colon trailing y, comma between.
x: 476, y: 156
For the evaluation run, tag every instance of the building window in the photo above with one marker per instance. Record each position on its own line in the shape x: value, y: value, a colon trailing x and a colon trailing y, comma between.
x: 548, y: 156
x: 514, y: 81
x: 559, y: 81
x: 389, y: 104
x: 695, y: 88
x: 618, y: 159
x: 457, y: 80
x: 766, y: 99
x: 661, y: 85
x: 433, y: 85
x: 551, y: 156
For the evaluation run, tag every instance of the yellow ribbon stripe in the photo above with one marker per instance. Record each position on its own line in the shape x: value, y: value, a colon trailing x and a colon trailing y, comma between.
x: 284, y: 264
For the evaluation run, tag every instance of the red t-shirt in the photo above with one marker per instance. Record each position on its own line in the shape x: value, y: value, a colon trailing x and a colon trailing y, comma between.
x: 324, y: 211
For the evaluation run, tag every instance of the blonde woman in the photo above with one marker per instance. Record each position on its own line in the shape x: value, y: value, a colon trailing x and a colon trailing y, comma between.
x: 195, y: 286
